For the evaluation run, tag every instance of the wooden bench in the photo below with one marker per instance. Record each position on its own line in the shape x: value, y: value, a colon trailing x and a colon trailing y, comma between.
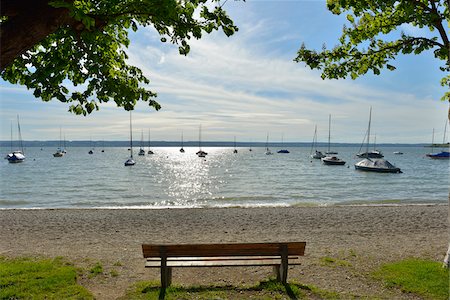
x: 278, y: 255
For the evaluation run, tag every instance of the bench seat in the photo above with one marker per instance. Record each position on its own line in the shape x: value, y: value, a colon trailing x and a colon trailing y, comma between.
x: 277, y: 255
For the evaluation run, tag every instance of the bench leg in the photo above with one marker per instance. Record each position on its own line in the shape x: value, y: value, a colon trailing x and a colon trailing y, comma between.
x: 166, y: 277
x: 276, y: 272
x: 280, y: 272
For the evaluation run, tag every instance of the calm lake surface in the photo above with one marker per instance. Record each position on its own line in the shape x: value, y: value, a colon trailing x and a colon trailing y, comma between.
x: 249, y: 179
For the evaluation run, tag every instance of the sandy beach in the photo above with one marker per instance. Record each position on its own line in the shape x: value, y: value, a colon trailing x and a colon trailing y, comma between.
x: 361, y: 236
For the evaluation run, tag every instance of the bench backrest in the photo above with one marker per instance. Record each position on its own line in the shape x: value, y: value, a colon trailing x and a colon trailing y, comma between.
x: 235, y: 249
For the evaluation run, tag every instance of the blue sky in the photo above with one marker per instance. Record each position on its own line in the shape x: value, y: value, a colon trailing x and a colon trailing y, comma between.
x: 247, y: 86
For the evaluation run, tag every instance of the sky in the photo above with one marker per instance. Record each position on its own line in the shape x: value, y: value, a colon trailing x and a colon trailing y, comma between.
x: 247, y: 86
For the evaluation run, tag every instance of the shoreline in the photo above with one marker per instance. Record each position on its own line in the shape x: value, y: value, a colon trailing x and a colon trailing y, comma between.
x: 376, y: 203
x: 363, y: 236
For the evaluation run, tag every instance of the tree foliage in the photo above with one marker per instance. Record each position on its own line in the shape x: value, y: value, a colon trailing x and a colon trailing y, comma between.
x: 81, y: 59
x: 365, y: 45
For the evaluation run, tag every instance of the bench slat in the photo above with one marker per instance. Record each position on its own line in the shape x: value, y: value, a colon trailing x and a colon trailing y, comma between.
x: 215, y: 263
x: 221, y: 258
x: 237, y: 249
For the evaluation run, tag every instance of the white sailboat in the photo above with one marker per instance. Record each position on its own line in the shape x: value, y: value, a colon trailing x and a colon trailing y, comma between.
x: 331, y: 156
x: 141, y: 149
x: 59, y: 152
x: 317, y: 154
x: 16, y: 156
x: 149, y: 150
x: 329, y: 137
x: 268, y: 152
x: 182, y: 142
x: 379, y: 165
x: 130, y: 161
x: 200, y: 152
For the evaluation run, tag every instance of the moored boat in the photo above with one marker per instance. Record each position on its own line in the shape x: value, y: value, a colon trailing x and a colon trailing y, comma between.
x: 378, y: 165
x: 332, y: 160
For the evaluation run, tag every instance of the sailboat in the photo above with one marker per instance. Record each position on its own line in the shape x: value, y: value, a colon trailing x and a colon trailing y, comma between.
x: 317, y: 154
x: 16, y: 156
x: 92, y: 148
x: 282, y: 144
x: 370, y: 153
x: 182, y: 142
x: 443, y: 154
x: 330, y: 157
x: 200, y: 152
x: 375, y: 164
x: 268, y: 152
x: 59, y: 152
x: 149, y: 150
x: 141, y: 150
x: 329, y: 137
x: 130, y: 161
x: 235, y: 150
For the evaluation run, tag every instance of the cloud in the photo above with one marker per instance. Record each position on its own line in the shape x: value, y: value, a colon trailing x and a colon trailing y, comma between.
x: 244, y: 86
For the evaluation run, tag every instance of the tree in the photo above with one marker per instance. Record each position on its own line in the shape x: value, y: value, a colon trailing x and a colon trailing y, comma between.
x: 363, y: 46
x: 75, y: 50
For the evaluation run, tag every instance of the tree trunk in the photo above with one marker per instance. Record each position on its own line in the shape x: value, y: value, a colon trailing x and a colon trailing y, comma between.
x: 28, y: 23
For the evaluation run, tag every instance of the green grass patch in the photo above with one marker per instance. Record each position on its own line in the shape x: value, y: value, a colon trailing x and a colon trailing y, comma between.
x: 27, y: 278
x: 334, y: 262
x: 97, y: 269
x: 423, y: 277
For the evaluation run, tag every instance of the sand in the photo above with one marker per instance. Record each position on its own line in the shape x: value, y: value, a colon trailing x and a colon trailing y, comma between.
x: 359, y: 238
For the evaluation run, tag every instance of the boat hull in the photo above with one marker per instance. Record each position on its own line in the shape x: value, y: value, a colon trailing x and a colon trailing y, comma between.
x: 441, y: 155
x: 378, y: 170
x: 376, y: 165
x: 333, y: 161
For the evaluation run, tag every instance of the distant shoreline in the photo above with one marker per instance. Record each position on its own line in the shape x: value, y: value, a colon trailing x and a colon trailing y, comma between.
x: 107, y: 144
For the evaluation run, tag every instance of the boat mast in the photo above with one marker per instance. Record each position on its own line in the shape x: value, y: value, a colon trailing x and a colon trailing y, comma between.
x: 11, y: 138
x: 20, y: 134
x: 329, y: 131
x: 182, y: 141
x: 432, y: 142
x: 368, y: 133
x: 131, y: 137
x: 445, y: 132
x: 267, y: 142
x: 59, y: 137
x: 200, y: 138
x: 314, y: 139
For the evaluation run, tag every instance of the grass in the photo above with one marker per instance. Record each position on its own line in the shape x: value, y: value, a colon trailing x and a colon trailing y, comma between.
x: 26, y: 278
x: 97, y: 269
x: 334, y: 262
x: 423, y: 277
x: 265, y: 290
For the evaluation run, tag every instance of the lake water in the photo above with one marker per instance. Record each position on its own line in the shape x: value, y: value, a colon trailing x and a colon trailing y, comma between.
x: 249, y: 179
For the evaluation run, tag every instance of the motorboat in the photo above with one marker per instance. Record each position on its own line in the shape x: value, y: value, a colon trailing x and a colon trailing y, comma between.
x: 398, y: 152
x: 379, y: 165
x: 332, y: 160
